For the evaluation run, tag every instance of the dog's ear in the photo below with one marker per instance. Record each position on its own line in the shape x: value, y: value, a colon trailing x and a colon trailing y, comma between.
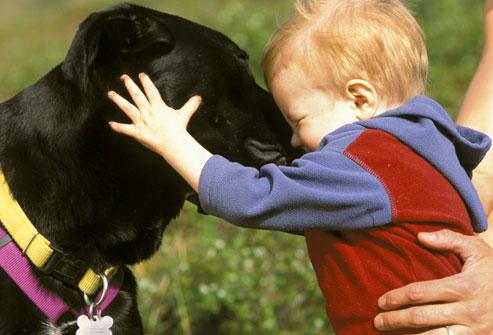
x: 108, y: 37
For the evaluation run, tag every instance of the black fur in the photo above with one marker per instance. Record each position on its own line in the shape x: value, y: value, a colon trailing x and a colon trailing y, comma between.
x: 99, y: 195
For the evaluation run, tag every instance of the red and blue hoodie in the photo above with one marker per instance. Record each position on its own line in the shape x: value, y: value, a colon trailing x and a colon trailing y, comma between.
x: 360, y: 200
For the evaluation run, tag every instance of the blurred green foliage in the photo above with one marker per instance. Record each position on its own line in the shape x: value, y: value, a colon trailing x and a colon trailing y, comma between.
x: 211, y: 277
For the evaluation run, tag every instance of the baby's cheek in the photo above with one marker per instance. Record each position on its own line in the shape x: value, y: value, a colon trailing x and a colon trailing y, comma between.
x: 310, y: 137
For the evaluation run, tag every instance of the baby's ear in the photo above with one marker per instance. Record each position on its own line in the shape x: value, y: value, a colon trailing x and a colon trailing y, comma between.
x: 107, y: 38
x: 363, y: 98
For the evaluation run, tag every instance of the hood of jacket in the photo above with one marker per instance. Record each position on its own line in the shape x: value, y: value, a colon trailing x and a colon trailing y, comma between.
x: 456, y: 151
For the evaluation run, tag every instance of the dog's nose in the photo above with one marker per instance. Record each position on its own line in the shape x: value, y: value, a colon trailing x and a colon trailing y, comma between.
x: 265, y: 152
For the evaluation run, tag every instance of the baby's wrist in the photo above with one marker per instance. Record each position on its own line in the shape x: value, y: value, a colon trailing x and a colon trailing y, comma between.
x: 184, y: 154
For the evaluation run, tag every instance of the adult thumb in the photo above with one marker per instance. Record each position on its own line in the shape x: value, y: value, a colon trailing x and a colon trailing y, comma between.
x: 469, y: 248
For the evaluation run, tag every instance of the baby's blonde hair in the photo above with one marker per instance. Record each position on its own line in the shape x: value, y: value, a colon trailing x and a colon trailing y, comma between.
x: 334, y: 41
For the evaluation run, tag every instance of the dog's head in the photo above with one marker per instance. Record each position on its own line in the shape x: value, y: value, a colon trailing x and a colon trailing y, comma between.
x: 129, y: 185
x: 183, y: 59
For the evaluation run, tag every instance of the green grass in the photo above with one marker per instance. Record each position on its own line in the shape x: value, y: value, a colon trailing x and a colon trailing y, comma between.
x: 210, y: 277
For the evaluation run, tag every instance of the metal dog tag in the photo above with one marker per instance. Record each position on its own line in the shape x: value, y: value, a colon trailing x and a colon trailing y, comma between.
x: 94, y: 326
x: 93, y: 323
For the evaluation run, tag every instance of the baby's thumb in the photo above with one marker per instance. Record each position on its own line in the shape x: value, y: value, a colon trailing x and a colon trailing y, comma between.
x: 190, y: 107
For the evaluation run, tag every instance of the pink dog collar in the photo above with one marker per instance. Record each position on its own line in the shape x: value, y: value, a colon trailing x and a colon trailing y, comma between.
x: 17, y: 267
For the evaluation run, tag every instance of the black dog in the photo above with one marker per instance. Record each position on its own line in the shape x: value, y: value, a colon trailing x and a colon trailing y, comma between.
x: 101, y: 197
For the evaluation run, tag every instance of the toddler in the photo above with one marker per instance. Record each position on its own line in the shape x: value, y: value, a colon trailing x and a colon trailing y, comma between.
x: 383, y: 161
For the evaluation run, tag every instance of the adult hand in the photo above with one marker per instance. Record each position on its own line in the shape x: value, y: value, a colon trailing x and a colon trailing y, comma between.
x: 464, y: 302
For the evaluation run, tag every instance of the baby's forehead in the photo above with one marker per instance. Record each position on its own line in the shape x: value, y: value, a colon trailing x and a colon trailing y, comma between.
x: 289, y: 60
x: 290, y: 76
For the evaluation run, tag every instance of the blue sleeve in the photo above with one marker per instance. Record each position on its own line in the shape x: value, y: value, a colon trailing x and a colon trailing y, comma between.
x: 324, y: 189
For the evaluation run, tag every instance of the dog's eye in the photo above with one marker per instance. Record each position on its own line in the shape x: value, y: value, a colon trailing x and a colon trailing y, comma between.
x: 217, y: 119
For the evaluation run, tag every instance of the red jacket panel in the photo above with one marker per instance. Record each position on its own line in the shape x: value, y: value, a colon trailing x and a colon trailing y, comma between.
x: 355, y: 267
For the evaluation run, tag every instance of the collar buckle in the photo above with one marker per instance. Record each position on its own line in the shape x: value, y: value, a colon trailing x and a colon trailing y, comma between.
x: 65, y: 267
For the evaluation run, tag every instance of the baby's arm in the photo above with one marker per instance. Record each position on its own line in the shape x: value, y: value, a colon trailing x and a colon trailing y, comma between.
x: 312, y: 193
x: 161, y: 128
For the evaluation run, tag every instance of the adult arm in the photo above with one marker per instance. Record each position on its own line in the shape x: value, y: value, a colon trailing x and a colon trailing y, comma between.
x: 463, y: 301
x: 477, y: 112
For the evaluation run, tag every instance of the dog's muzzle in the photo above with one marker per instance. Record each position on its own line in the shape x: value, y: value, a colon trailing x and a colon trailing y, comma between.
x: 265, y: 153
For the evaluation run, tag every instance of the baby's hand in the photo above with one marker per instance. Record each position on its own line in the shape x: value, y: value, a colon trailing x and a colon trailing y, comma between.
x: 154, y: 124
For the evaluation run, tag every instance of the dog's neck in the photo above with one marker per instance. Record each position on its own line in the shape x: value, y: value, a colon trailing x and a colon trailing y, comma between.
x: 82, y: 189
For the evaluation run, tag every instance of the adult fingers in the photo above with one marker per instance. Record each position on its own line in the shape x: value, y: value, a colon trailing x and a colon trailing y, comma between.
x: 138, y: 97
x: 125, y: 129
x: 449, y: 289
x: 469, y: 248
x: 151, y: 90
x: 452, y: 330
x: 130, y: 110
x: 190, y: 107
x: 419, y: 317
x: 438, y: 331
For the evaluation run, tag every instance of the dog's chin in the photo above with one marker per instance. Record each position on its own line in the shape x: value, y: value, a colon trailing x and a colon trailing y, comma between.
x: 193, y: 197
x: 264, y: 152
x: 52, y: 329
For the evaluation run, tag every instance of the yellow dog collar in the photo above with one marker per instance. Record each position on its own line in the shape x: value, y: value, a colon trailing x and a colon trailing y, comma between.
x: 41, y: 252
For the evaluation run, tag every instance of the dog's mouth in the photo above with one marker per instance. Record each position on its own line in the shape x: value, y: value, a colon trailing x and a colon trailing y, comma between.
x: 264, y: 153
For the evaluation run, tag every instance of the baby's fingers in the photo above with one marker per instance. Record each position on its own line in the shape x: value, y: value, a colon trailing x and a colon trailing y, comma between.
x: 130, y: 110
x: 151, y: 90
x: 137, y: 96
